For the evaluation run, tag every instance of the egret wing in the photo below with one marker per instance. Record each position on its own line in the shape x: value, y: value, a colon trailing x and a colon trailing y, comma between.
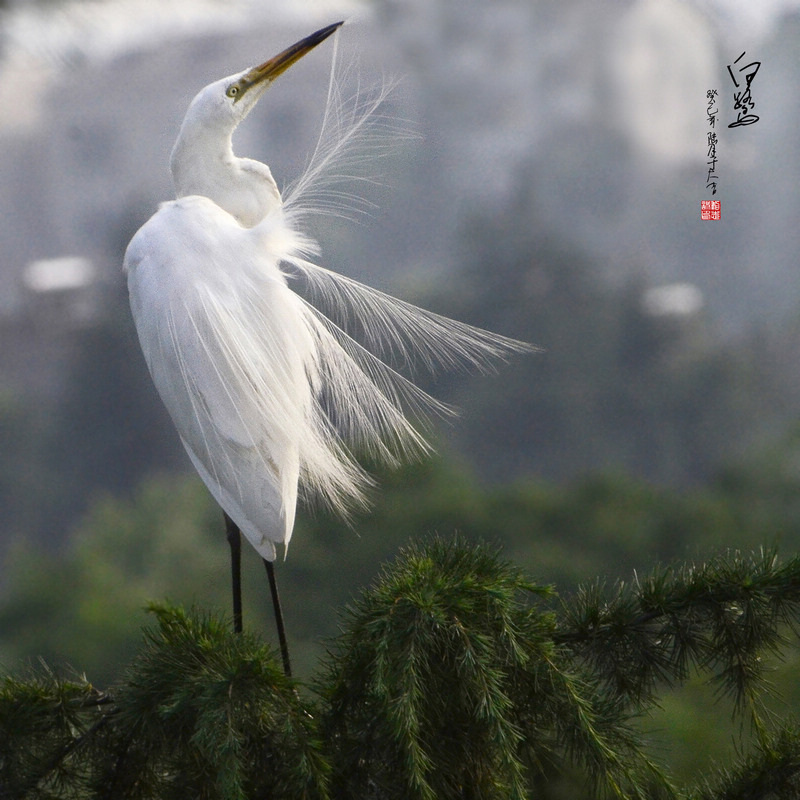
x: 234, y: 389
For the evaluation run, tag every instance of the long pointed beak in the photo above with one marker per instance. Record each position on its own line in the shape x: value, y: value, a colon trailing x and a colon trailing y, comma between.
x: 269, y: 70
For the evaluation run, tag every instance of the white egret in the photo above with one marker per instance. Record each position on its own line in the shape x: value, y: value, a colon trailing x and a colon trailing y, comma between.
x: 266, y: 391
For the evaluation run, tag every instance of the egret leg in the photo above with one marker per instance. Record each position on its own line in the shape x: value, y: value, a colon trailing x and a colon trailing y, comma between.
x: 276, y: 605
x: 235, y: 542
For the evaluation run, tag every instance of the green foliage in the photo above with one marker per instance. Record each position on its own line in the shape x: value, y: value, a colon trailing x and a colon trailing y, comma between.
x: 208, y: 714
x: 723, y: 613
x: 429, y: 652
x: 772, y: 773
x: 84, y: 607
x: 454, y: 676
x: 448, y: 683
x: 43, y: 723
x: 202, y: 713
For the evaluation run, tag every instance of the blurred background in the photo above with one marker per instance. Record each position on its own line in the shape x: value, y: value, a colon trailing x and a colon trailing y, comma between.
x: 550, y: 190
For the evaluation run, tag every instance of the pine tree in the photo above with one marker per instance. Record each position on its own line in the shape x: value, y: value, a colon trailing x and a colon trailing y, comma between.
x: 454, y: 677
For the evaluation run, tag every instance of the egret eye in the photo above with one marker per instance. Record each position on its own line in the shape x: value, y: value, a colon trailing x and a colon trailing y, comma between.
x: 232, y: 91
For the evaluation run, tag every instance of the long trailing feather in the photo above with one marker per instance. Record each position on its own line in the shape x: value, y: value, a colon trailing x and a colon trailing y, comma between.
x: 365, y: 336
x: 354, y: 135
x: 409, y: 335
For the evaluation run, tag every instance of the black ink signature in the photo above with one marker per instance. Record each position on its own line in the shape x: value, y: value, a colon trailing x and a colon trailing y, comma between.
x: 712, y: 115
x: 742, y: 99
x: 711, y: 178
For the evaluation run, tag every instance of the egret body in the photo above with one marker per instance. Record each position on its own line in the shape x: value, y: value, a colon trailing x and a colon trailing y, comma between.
x: 266, y: 391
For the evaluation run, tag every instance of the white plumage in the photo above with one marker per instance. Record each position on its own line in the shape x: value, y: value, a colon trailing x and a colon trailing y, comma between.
x: 266, y: 390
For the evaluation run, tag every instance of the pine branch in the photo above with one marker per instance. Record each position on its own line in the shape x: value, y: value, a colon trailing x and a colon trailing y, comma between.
x: 722, y: 617
x: 454, y: 678
x: 771, y: 773
x: 43, y: 722
x: 202, y: 712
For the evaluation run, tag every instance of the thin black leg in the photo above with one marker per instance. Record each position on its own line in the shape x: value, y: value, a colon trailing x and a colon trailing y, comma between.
x: 276, y: 605
x: 235, y: 541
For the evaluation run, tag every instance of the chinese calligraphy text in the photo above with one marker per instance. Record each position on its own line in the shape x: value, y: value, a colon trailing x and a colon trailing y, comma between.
x: 743, y: 102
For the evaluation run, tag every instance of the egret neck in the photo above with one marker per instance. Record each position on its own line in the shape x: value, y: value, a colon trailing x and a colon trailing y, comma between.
x: 203, y: 162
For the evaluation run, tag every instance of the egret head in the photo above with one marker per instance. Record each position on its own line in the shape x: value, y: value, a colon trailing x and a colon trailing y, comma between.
x: 243, y: 90
x: 228, y: 101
